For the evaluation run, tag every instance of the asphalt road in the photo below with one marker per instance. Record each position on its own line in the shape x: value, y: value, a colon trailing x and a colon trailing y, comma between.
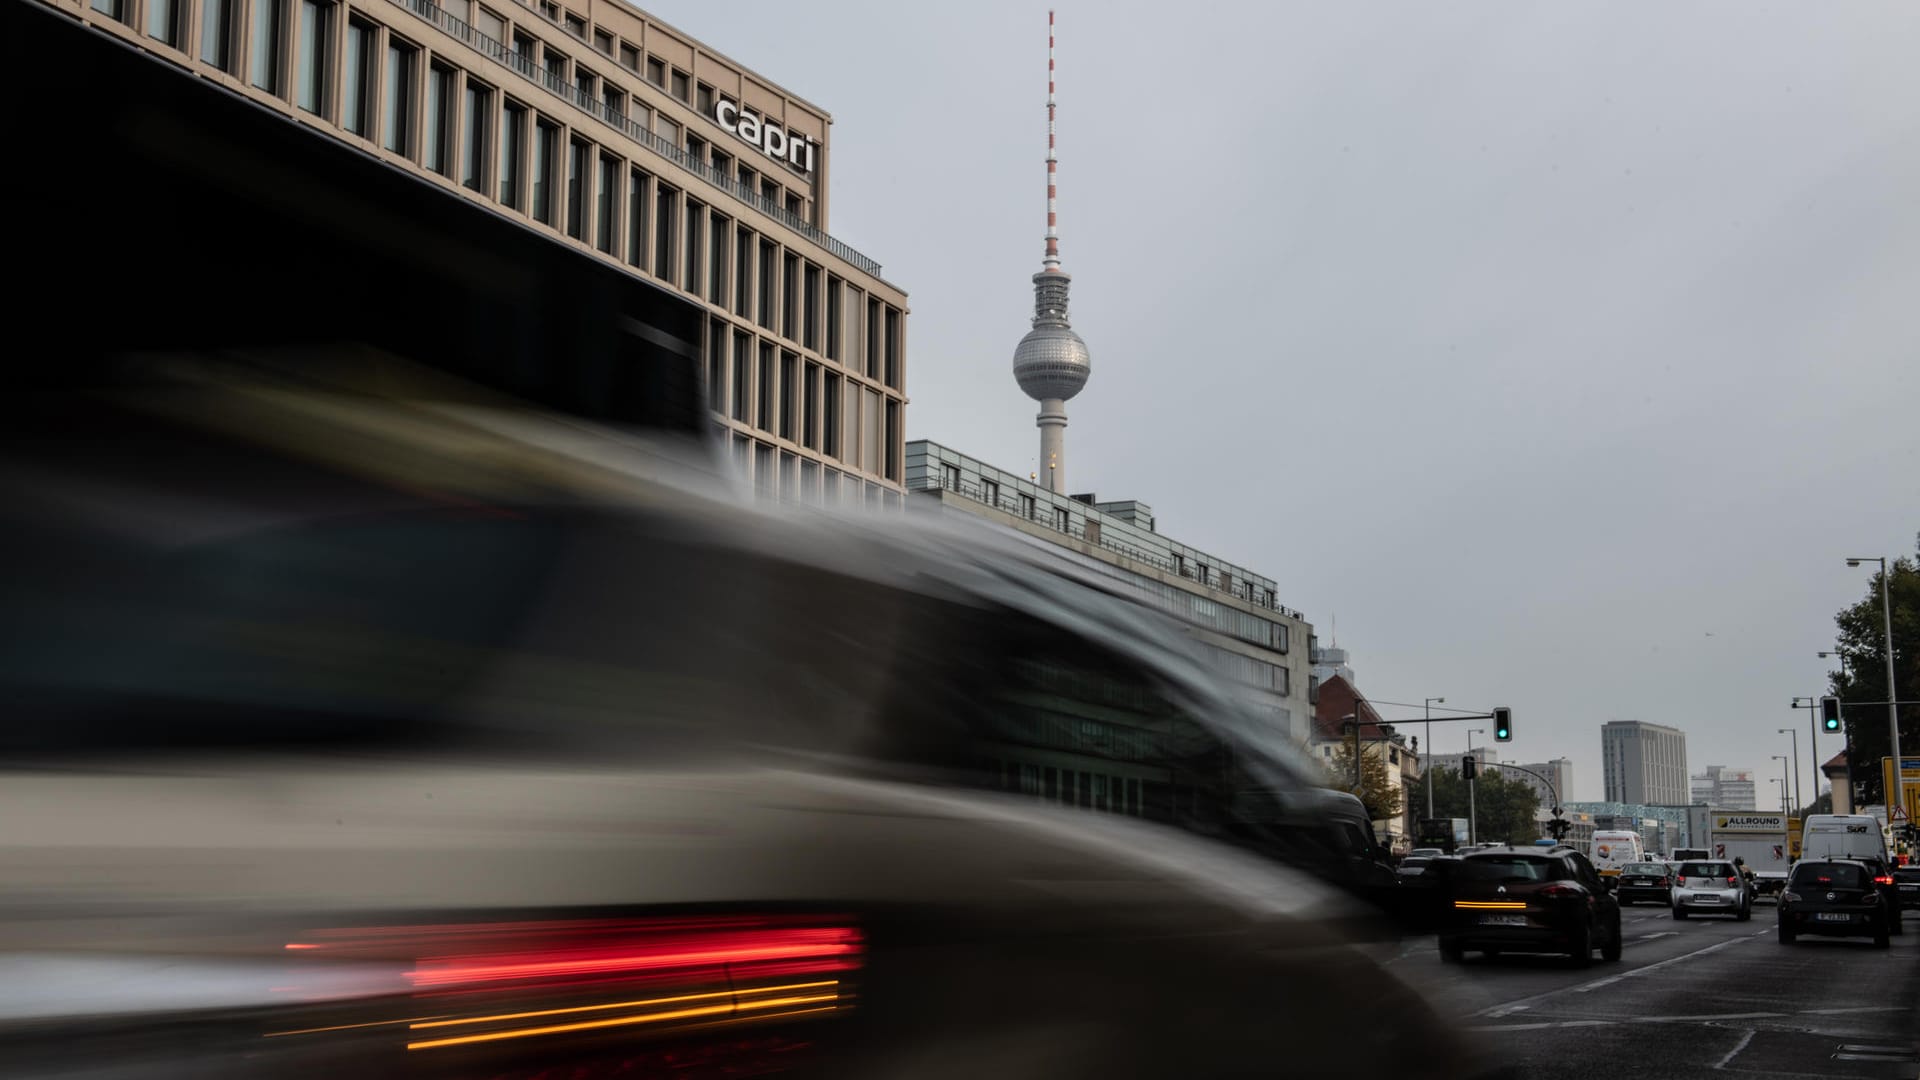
x: 1706, y: 997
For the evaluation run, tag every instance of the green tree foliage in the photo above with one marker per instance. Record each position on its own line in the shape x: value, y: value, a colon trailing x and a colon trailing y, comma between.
x: 1863, y: 675
x: 1377, y: 793
x: 1506, y: 807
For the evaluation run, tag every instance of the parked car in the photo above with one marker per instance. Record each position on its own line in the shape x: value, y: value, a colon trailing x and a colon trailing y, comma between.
x: 1530, y: 900
x: 1645, y: 881
x: 1836, y: 898
x: 1712, y: 885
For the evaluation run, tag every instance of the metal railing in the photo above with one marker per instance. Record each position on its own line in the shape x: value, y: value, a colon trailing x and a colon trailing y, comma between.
x: 627, y: 126
x: 1039, y: 515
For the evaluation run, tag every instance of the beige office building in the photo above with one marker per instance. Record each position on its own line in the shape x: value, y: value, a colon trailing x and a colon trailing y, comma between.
x: 601, y: 128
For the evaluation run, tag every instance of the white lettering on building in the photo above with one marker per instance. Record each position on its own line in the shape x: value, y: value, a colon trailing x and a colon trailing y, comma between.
x: 773, y: 140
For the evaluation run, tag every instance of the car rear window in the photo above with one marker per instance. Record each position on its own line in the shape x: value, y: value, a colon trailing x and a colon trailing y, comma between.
x: 1509, y: 868
x: 1706, y: 869
x: 1837, y: 875
x: 1645, y: 868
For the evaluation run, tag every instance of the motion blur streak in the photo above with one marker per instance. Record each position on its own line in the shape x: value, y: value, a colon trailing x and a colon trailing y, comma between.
x: 621, y: 1005
x: 461, y: 970
x: 1492, y: 905
x: 648, y: 1018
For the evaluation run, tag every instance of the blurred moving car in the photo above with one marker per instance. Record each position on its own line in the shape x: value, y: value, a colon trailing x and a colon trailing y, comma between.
x: 1645, y: 881
x: 1712, y: 885
x: 355, y: 737
x: 1836, y: 898
x: 1531, y: 900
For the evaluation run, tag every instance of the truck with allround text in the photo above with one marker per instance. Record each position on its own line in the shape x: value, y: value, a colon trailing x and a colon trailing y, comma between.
x: 1758, y: 839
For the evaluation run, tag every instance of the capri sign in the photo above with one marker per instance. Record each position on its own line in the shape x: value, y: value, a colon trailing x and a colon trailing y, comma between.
x: 773, y: 140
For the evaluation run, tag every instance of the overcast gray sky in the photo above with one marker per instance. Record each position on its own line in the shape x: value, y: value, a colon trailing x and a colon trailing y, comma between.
x: 1561, y: 352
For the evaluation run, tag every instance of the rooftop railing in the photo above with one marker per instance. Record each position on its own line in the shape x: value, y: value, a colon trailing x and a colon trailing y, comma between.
x: 1033, y: 512
x: 613, y: 116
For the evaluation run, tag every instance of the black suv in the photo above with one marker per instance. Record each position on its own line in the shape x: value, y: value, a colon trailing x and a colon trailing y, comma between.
x: 1836, y: 897
x: 1907, y: 880
x: 1530, y: 900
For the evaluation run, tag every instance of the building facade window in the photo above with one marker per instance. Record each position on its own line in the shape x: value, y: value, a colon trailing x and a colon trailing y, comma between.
x: 269, y: 33
x: 398, y: 90
x: 830, y: 416
x: 579, y: 177
x: 681, y: 87
x: 606, y: 204
x: 639, y: 205
x: 164, y: 18
x: 743, y: 273
x: 810, y: 407
x: 789, y: 395
x: 475, y: 150
x: 112, y: 9
x: 834, y: 312
x: 810, y: 310
x: 719, y: 245
x: 545, y: 136
x: 513, y: 136
x: 666, y: 209
x: 657, y: 72
x: 742, y: 376
x: 695, y: 236
x: 768, y: 396
x: 436, y: 142
x: 316, y: 56
x: 217, y: 33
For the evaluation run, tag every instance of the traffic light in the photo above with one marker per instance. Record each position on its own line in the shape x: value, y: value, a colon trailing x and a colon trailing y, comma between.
x: 1502, y: 724
x: 1558, y: 827
x: 1468, y: 767
x: 1830, y: 714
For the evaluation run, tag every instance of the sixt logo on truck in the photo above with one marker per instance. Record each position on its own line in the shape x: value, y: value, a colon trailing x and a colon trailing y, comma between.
x: 1749, y: 822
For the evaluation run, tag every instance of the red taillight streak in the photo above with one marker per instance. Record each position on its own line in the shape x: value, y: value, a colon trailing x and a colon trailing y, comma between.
x: 1733, y: 881
x: 1883, y: 881
x: 1683, y: 881
x: 470, y: 969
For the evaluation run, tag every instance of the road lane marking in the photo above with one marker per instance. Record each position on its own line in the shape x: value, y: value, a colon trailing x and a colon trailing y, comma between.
x: 1854, y: 1009
x: 1658, y: 934
x: 1701, y: 1019
x: 1504, y: 1008
x: 1735, y: 1052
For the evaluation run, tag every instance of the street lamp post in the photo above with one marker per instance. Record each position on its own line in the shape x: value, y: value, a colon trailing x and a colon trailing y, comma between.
x: 1473, y: 812
x: 1898, y: 796
x: 1796, y: 767
x: 1783, y: 790
x: 1846, y: 732
x: 1785, y: 785
x: 1428, y: 743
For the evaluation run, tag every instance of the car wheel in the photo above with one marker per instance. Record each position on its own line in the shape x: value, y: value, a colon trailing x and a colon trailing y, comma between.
x: 1679, y: 912
x: 1745, y: 912
x: 1610, y: 952
x: 1451, y: 952
x: 1899, y: 924
x: 1581, y: 954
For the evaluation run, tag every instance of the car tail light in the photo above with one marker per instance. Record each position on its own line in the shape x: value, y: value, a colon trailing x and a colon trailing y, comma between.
x: 1883, y: 879
x: 1663, y: 881
x: 1683, y: 881
x: 1558, y: 892
x: 544, y: 981
x: 1733, y: 881
x: 1789, y: 897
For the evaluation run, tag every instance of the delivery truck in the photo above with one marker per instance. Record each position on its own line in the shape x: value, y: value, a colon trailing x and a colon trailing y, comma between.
x: 1758, y: 840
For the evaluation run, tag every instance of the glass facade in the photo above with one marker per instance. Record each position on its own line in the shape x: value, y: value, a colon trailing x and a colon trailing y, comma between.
x: 268, y: 32
x: 316, y: 55
x: 398, y: 122
x: 475, y: 146
x: 436, y: 140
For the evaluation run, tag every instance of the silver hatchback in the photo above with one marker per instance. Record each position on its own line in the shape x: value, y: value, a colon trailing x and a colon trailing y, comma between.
x: 1717, y: 886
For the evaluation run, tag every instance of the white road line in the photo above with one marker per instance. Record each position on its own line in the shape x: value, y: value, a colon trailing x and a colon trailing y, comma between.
x: 1519, y: 1003
x: 1700, y: 1019
x: 1735, y: 1052
x: 1854, y: 1009
x: 1658, y: 934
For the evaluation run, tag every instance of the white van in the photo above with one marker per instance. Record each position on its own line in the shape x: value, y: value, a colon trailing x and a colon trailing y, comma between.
x: 1843, y: 836
x: 1854, y: 836
x: 1615, y: 849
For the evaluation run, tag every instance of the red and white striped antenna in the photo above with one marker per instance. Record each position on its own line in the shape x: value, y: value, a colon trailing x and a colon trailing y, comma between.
x: 1052, y: 261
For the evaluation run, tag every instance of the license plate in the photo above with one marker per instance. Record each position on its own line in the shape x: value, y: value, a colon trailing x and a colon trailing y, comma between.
x: 1832, y: 916
x: 1503, y: 920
